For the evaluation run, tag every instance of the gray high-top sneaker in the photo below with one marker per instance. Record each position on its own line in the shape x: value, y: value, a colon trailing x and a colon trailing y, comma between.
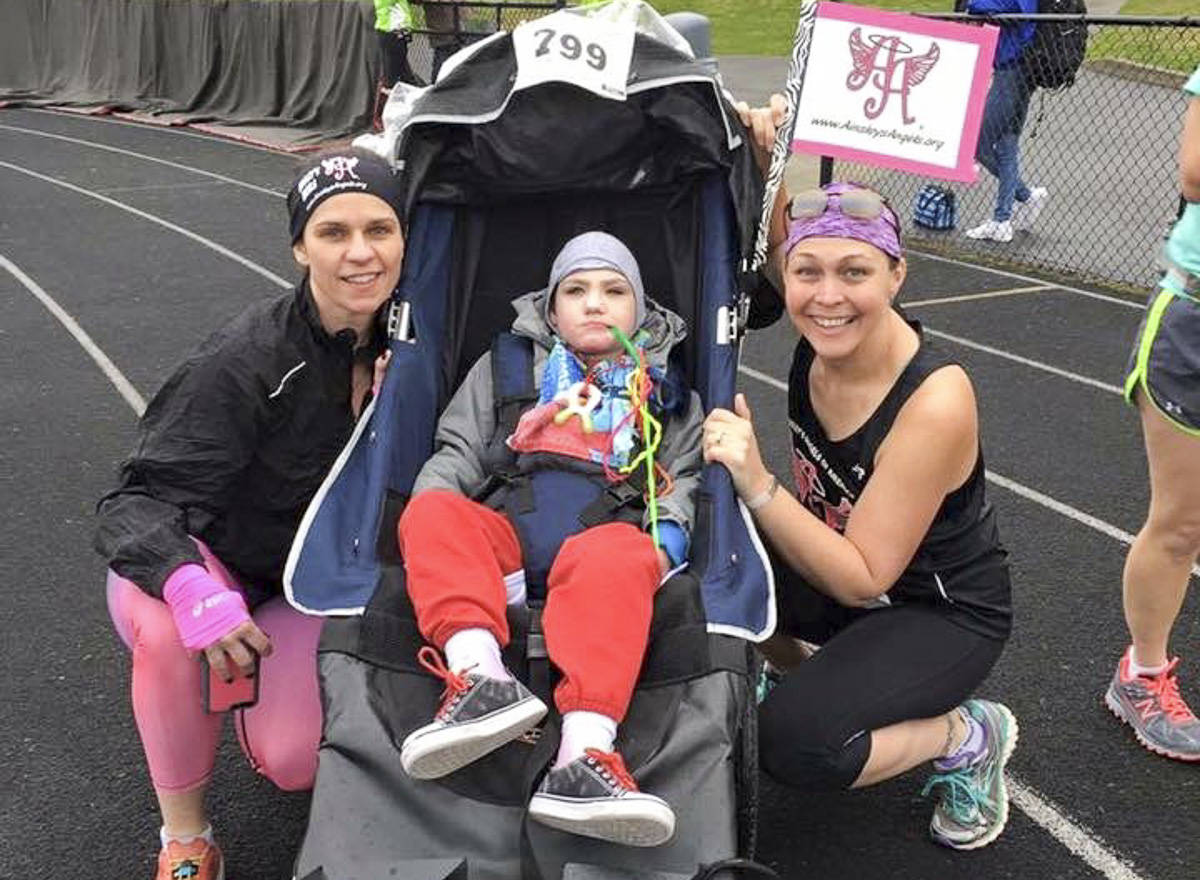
x: 478, y: 715
x: 595, y: 796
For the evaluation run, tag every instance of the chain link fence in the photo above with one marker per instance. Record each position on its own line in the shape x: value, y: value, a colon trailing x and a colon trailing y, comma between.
x: 441, y: 27
x: 1105, y: 148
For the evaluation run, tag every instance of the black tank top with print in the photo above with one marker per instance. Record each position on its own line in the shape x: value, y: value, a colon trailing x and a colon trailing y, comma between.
x: 960, y: 566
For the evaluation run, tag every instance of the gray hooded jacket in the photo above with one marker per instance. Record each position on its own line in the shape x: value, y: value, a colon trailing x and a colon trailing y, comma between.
x: 466, y: 426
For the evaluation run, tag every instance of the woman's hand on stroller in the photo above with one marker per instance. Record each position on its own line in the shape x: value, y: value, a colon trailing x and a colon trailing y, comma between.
x: 763, y: 123
x: 730, y: 440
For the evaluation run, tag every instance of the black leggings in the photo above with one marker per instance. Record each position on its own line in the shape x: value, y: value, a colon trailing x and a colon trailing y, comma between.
x: 888, y: 665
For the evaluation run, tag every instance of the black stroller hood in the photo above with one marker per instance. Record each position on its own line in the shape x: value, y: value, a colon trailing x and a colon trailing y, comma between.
x: 471, y: 139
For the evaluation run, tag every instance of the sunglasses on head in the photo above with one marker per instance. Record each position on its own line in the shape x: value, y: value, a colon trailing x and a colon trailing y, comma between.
x: 859, y: 204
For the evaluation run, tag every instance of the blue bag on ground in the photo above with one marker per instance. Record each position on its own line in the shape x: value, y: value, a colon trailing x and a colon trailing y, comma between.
x: 935, y: 207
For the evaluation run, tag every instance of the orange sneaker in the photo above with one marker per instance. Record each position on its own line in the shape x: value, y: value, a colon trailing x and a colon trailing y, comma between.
x: 196, y: 860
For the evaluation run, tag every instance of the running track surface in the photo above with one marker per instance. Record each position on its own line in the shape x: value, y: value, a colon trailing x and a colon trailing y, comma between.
x: 122, y: 246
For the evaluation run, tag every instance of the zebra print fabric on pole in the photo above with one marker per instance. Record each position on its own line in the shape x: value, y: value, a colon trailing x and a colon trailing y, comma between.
x: 783, y: 137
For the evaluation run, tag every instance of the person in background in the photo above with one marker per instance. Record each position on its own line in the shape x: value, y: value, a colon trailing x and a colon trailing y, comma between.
x: 442, y: 23
x: 394, y: 24
x: 999, y: 147
x: 1163, y: 382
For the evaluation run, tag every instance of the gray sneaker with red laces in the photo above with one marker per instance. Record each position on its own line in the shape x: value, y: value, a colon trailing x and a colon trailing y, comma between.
x: 478, y: 715
x: 1153, y: 707
x: 596, y: 797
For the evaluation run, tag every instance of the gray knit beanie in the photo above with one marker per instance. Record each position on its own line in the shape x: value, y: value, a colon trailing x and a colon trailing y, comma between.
x: 597, y: 250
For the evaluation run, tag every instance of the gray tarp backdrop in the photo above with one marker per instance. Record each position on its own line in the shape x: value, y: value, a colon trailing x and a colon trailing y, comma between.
x: 307, y: 65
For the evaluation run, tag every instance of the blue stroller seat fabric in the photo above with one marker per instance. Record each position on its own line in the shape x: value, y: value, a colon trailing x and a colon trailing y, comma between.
x: 497, y: 180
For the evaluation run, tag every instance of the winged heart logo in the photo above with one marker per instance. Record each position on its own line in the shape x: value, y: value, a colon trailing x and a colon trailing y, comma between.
x: 890, y: 65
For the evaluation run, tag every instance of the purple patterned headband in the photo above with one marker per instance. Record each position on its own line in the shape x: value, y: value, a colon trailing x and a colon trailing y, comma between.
x: 882, y: 231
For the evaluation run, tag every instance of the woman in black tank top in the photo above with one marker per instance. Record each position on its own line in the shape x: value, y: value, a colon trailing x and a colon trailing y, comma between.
x: 888, y: 556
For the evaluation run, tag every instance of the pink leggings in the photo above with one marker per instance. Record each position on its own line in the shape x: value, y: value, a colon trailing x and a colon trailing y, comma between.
x: 279, y: 734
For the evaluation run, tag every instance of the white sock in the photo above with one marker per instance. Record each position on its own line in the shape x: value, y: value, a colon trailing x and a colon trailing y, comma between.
x: 584, y: 730
x: 514, y: 587
x: 1136, y: 668
x: 165, y: 837
x: 478, y: 648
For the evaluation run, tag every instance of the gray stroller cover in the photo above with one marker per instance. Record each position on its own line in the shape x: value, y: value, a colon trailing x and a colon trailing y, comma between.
x: 688, y: 737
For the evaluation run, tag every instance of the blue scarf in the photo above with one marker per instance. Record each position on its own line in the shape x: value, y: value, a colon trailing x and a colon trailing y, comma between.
x: 563, y: 369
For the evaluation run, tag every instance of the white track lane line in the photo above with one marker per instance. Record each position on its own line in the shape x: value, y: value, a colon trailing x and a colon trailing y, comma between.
x: 124, y: 386
x: 1067, y: 510
x: 177, y: 130
x: 1075, y: 837
x: 1028, y: 362
x: 188, y: 168
x: 208, y: 243
x: 1091, y: 294
x: 971, y: 297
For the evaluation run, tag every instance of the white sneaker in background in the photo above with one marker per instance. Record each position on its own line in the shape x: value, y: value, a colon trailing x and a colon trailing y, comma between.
x: 1026, y: 213
x: 992, y: 230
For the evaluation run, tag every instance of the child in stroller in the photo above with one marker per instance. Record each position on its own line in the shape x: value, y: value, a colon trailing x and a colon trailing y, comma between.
x: 592, y: 420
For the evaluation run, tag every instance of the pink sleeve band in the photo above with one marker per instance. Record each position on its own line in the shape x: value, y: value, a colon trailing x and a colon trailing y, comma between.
x: 204, y: 610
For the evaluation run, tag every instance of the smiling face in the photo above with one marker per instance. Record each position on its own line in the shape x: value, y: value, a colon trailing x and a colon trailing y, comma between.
x: 353, y: 249
x: 838, y: 292
x: 585, y: 305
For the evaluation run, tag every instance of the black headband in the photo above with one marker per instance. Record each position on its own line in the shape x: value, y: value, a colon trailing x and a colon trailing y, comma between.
x: 334, y: 175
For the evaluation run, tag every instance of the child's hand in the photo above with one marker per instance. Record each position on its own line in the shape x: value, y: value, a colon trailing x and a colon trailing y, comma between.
x: 664, y: 561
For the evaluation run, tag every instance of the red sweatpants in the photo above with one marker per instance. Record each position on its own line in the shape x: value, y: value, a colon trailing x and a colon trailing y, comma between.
x: 600, y: 593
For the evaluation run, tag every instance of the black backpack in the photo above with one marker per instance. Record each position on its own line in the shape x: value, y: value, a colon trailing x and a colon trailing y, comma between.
x: 1056, y: 51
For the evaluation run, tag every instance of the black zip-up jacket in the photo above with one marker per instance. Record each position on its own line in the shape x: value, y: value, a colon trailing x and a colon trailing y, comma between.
x: 233, y: 446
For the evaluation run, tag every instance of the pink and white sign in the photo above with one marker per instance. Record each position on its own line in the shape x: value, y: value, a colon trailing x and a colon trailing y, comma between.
x: 895, y: 90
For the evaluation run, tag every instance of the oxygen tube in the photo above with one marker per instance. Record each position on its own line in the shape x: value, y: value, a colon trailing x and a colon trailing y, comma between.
x: 639, y: 388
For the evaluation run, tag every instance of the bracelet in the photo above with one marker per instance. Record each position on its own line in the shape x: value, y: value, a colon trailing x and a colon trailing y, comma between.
x: 764, y: 496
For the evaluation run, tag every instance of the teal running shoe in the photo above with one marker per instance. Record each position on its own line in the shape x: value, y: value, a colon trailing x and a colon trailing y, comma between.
x: 973, y: 803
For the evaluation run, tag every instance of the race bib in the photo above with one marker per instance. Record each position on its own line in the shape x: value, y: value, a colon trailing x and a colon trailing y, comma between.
x: 564, y: 47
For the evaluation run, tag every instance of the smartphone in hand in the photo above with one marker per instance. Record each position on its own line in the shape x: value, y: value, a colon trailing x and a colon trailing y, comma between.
x: 238, y: 693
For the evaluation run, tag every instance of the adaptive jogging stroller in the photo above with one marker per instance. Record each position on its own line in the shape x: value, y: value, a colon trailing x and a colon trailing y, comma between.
x: 501, y: 172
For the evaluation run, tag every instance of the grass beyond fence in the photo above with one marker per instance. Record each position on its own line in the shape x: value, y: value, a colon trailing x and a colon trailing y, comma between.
x: 766, y: 27
x: 1165, y: 48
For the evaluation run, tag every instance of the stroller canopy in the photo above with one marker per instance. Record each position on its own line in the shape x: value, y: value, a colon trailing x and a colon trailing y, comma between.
x: 478, y: 137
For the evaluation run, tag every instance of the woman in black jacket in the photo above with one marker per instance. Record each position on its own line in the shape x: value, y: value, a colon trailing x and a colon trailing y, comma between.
x: 229, y: 453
